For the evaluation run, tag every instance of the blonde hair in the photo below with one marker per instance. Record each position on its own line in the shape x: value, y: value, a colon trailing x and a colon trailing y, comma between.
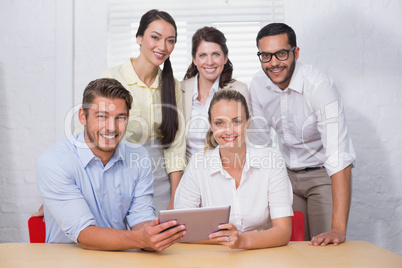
x: 228, y: 95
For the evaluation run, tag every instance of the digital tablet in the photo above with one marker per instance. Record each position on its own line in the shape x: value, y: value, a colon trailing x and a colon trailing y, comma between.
x: 199, y: 222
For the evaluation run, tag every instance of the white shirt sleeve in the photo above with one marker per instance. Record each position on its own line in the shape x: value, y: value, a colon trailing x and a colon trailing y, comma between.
x: 188, y: 193
x: 332, y: 126
x: 258, y: 132
x: 280, y: 190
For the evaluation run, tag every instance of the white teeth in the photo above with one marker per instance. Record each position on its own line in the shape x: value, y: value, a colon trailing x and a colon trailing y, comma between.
x: 229, y: 139
x: 108, y: 137
x: 210, y: 70
x: 276, y: 70
x: 158, y: 54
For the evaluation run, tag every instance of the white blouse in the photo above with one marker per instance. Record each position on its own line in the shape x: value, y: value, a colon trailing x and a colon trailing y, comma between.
x: 264, y: 190
x: 198, y: 124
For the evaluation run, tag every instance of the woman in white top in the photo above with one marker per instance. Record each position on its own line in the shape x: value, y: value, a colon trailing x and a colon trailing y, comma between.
x: 253, y: 181
x: 210, y: 71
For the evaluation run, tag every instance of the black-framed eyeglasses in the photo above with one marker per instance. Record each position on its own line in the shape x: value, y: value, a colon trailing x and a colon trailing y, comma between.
x: 281, y: 55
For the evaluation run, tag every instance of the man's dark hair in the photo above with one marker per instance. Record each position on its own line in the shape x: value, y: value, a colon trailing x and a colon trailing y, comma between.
x: 105, y: 87
x: 275, y: 29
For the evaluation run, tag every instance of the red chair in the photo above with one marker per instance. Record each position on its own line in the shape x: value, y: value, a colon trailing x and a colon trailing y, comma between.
x: 297, y: 226
x: 37, y: 230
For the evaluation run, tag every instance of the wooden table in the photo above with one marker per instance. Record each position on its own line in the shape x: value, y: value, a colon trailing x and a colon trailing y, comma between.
x: 296, y: 254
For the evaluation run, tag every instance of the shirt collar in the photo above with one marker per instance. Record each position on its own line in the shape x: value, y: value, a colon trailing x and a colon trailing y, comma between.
x: 86, y: 155
x: 83, y: 151
x: 118, y: 155
x: 216, y: 163
x: 214, y: 88
x: 253, y: 159
x: 132, y: 78
x: 296, y: 81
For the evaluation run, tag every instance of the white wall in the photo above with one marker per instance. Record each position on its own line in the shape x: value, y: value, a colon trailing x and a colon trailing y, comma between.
x: 357, y: 42
x: 29, y: 91
x: 27, y: 96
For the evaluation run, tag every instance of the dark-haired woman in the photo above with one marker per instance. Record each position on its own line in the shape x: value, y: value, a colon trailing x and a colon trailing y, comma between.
x: 155, y: 117
x: 210, y: 71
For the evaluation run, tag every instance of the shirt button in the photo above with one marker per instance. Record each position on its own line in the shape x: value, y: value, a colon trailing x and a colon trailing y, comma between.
x: 104, y: 192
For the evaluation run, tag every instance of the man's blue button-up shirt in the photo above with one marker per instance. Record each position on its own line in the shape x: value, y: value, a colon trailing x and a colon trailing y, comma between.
x: 79, y: 191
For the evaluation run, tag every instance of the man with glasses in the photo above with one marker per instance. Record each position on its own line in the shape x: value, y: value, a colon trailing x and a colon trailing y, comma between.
x: 304, y: 108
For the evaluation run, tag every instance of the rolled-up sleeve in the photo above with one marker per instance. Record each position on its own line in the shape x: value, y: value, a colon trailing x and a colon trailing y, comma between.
x: 280, y: 191
x: 188, y: 193
x: 332, y: 125
x: 141, y: 208
x: 62, y: 197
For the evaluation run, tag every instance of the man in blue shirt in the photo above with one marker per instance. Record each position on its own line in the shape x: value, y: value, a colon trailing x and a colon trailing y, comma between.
x: 95, y: 185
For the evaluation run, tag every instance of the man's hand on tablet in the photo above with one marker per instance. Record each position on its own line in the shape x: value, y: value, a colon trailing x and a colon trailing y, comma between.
x: 157, y: 237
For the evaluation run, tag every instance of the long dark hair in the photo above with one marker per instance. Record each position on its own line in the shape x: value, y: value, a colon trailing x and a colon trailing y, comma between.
x: 170, y: 118
x: 211, y: 34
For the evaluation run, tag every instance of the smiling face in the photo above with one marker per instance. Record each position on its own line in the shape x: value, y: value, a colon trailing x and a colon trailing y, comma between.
x: 210, y: 61
x: 280, y: 72
x: 105, y: 125
x: 229, y: 124
x: 157, y: 42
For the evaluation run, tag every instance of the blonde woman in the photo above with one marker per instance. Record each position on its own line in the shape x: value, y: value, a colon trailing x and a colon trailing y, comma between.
x: 253, y: 181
